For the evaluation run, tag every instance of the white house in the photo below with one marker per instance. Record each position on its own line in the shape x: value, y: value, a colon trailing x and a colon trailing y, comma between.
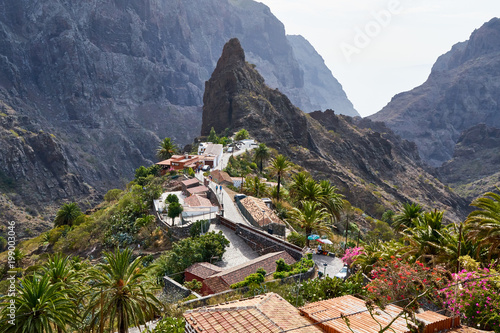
x: 212, y: 153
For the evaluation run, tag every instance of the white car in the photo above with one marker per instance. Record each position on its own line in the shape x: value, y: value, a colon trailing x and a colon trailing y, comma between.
x: 342, y: 274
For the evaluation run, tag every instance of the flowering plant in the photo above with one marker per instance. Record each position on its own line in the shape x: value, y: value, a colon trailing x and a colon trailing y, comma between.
x: 398, y: 280
x: 475, y: 296
x: 351, y: 254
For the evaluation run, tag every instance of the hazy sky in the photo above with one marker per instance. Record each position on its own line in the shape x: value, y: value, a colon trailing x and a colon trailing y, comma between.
x: 378, y: 48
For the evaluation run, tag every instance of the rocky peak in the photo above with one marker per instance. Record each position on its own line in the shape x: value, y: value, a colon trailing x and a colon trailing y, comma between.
x: 372, y: 166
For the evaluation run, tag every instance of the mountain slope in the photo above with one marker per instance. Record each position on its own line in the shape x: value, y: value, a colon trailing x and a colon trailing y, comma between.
x: 373, y: 167
x: 462, y: 90
x: 108, y: 79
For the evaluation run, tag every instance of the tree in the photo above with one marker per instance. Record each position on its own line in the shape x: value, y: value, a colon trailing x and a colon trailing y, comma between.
x: 483, y: 225
x: 171, y: 198
x: 40, y: 306
x: 261, y: 155
x: 121, y: 295
x: 242, y: 134
x: 331, y: 200
x: 311, y: 217
x: 174, y: 210
x: 212, y: 137
x: 254, y: 186
x: 166, y: 149
x: 280, y: 166
x: 67, y: 214
x: 407, y: 216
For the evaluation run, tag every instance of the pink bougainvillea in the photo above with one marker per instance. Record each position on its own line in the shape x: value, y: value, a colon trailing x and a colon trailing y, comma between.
x: 350, y: 255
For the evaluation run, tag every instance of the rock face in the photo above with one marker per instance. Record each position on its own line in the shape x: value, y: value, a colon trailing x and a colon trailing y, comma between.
x: 373, y: 167
x: 109, y: 78
x: 322, y: 89
x: 473, y: 170
x: 463, y: 90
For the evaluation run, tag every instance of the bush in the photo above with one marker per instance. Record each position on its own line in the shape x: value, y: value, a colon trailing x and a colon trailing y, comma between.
x: 297, y: 239
x: 113, y: 195
x: 171, y: 198
x: 254, y: 278
x: 282, y: 266
x: 194, y: 285
x: 198, y: 227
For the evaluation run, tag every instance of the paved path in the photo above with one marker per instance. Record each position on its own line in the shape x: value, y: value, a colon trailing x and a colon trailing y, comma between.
x: 333, y: 265
x: 238, y: 251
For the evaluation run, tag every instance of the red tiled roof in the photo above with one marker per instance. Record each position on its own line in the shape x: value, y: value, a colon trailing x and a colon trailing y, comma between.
x: 240, y: 272
x: 203, y: 269
x: 255, y: 206
x: 267, y: 313
x: 191, y: 181
x: 330, y: 311
x: 197, y: 201
x: 220, y: 176
x: 197, y: 189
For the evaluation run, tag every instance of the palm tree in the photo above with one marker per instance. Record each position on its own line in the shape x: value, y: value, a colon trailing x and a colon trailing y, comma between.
x: 253, y: 186
x: 166, y: 149
x: 311, y: 217
x: 298, y: 181
x: 67, y: 214
x: 261, y: 154
x: 407, y: 216
x: 121, y: 294
x: 483, y: 225
x: 331, y: 200
x: 40, y: 306
x: 280, y: 166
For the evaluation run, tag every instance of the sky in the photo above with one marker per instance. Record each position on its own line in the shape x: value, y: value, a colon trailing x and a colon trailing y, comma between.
x: 379, y: 48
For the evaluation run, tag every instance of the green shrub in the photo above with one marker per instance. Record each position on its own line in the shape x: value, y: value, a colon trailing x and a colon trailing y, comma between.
x: 282, y: 266
x: 113, y: 195
x: 254, y: 278
x: 297, y: 239
x: 198, y: 227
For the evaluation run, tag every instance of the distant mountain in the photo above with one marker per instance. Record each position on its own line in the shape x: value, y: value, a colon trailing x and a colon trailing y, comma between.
x: 463, y: 90
x: 322, y: 89
x: 105, y: 80
x: 373, y: 167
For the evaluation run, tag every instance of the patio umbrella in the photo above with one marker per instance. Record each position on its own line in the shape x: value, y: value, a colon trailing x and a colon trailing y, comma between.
x: 324, y: 241
x: 312, y: 237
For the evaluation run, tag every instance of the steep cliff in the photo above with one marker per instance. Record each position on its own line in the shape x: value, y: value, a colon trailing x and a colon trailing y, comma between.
x: 462, y: 90
x: 109, y: 78
x: 373, y: 167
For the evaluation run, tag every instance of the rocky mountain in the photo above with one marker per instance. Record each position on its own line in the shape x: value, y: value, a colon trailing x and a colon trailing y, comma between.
x: 88, y: 88
x: 463, y: 90
x: 320, y: 85
x: 473, y: 170
x: 373, y: 167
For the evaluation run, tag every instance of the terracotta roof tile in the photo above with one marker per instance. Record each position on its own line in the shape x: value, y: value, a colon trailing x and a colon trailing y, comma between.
x: 255, y: 206
x: 203, y: 269
x: 197, y: 189
x: 197, y: 201
x: 191, y: 181
x: 267, y: 313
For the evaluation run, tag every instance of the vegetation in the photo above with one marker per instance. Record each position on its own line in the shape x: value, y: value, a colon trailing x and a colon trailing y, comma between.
x: 283, y: 270
x: 311, y: 217
x: 166, y: 149
x: 280, y: 166
x: 261, y: 154
x: 67, y: 214
x: 242, y: 134
x: 253, y: 279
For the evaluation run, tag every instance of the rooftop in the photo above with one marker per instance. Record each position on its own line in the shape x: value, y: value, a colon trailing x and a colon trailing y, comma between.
x: 203, y: 269
x: 197, y: 189
x: 262, y: 214
x: 263, y: 313
x: 213, y: 149
x: 197, y: 201
x: 191, y: 181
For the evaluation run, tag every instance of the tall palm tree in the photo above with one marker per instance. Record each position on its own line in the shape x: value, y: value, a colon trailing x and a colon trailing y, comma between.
x: 311, y: 217
x: 280, y: 166
x: 121, y: 295
x: 298, y: 181
x: 261, y: 154
x: 166, y: 149
x: 67, y: 214
x: 407, y: 216
x: 483, y: 225
x: 331, y: 200
x: 254, y: 186
x: 40, y: 306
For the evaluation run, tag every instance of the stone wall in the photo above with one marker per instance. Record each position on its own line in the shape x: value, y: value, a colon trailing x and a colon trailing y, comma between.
x: 174, y: 291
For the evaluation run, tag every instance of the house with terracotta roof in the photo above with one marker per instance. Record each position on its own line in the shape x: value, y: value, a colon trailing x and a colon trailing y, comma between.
x: 271, y: 313
x: 188, y: 183
x: 221, y: 177
x: 268, y: 313
x: 196, y: 205
x: 328, y: 314
x: 180, y: 162
x: 222, y: 280
x: 260, y: 215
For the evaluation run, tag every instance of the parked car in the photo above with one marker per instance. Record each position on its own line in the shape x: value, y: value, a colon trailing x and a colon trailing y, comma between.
x: 206, y: 168
x: 342, y: 274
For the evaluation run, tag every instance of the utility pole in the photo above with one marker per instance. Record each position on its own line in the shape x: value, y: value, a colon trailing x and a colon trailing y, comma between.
x: 459, y: 245
x: 346, y: 230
